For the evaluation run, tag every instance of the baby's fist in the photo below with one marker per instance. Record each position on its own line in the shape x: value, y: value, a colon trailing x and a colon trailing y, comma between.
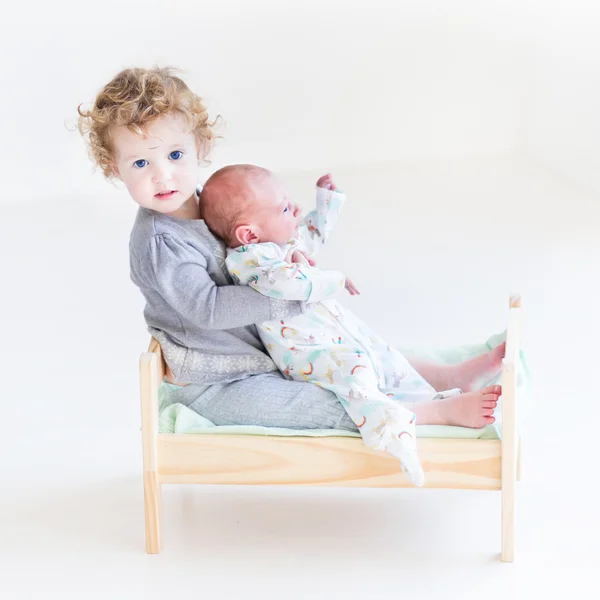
x: 351, y: 288
x: 326, y: 182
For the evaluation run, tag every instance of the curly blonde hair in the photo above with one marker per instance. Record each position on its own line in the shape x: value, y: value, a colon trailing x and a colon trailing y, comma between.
x: 134, y: 99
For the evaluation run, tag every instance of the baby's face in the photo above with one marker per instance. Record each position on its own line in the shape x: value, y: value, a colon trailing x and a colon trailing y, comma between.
x: 275, y: 214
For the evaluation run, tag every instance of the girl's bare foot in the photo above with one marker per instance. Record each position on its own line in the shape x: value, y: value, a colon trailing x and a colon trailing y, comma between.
x: 467, y: 376
x: 473, y: 409
x: 470, y: 374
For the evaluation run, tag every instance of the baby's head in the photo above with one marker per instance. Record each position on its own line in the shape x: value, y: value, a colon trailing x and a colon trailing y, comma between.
x: 150, y: 130
x: 244, y: 204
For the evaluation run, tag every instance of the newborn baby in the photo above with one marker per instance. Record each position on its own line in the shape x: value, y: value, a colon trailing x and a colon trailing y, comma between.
x: 249, y: 208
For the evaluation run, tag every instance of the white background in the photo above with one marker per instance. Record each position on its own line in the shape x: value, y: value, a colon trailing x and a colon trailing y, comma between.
x: 466, y: 135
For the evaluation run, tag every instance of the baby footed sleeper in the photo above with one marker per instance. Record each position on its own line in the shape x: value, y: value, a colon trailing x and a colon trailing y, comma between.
x: 328, y: 345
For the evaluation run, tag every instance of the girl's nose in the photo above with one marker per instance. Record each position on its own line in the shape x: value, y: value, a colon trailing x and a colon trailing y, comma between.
x: 161, y: 174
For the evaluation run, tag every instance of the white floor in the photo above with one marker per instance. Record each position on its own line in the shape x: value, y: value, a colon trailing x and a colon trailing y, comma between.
x: 462, y: 235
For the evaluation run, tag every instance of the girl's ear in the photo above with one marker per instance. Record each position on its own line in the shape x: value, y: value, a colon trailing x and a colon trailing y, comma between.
x: 116, y: 171
x: 246, y: 234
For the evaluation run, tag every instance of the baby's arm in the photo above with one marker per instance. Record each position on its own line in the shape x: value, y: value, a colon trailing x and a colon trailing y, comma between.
x: 264, y: 268
x: 319, y: 223
x: 179, y: 273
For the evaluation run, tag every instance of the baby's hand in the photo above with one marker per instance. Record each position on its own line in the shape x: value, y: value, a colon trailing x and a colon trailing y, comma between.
x: 351, y: 288
x: 326, y: 182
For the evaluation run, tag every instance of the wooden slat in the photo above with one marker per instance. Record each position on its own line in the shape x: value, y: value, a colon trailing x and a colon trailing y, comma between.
x: 330, y: 461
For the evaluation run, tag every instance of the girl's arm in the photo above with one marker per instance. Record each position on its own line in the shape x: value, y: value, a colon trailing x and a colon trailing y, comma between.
x: 179, y: 273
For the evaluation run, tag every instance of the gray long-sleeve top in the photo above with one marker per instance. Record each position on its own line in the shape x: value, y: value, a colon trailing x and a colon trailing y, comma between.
x: 205, y: 325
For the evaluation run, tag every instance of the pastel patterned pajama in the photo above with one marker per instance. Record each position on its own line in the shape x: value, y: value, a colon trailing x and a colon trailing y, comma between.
x: 328, y: 345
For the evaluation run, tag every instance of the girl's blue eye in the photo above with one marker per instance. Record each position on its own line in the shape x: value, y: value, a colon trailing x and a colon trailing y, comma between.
x: 140, y: 164
x: 285, y: 209
x: 176, y: 155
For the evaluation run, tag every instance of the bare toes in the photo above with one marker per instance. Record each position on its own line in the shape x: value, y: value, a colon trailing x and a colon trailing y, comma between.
x: 492, y: 389
x: 489, y: 398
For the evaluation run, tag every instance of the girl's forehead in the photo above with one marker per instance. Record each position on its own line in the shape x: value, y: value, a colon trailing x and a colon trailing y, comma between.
x: 164, y: 131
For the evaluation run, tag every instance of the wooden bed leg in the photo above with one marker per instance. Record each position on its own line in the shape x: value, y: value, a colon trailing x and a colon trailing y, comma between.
x: 509, y: 429
x: 152, y: 491
x: 509, y: 463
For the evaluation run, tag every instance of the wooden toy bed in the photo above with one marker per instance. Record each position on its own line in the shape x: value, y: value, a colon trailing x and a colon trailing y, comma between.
x: 331, y: 461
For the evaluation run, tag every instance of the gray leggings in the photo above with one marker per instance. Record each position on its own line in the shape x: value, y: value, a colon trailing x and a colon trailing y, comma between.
x: 269, y: 400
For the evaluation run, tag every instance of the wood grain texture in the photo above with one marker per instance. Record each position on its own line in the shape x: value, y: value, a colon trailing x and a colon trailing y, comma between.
x: 330, y: 461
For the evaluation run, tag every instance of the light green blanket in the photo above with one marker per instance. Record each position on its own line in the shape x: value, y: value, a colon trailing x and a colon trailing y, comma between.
x: 177, y: 418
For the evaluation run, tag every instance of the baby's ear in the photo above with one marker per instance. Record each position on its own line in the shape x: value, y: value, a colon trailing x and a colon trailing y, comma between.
x: 115, y: 171
x: 245, y: 234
